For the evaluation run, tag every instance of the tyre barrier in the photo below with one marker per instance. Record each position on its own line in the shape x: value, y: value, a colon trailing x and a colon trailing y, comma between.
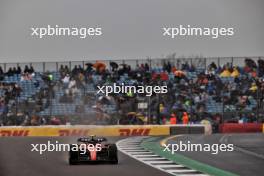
x: 112, y: 130
x: 190, y: 129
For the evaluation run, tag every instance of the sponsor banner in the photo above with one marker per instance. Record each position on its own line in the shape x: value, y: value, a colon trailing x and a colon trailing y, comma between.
x: 241, y: 128
x: 82, y: 130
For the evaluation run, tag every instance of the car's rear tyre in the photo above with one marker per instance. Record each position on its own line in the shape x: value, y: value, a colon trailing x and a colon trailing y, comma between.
x: 73, y: 156
x: 113, y: 157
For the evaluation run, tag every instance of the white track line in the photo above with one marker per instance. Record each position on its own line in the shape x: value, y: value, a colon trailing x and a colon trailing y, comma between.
x: 149, y: 156
x: 181, y: 171
x: 170, y: 166
x: 132, y: 148
x: 152, y: 158
x: 161, y: 162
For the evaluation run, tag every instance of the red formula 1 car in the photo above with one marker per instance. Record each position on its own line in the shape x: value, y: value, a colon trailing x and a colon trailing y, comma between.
x: 93, y: 149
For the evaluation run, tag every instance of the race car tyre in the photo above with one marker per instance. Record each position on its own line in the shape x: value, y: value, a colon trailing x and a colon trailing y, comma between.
x: 73, y: 156
x: 113, y: 157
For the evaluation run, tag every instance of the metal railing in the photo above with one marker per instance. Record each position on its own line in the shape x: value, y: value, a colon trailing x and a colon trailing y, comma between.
x: 198, y: 62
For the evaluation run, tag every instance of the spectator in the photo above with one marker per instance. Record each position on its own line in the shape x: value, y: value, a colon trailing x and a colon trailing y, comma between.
x: 185, y: 118
x: 173, y: 119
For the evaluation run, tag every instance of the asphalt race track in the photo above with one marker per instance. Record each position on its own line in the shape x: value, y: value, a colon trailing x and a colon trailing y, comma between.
x: 16, y: 159
x: 246, y: 160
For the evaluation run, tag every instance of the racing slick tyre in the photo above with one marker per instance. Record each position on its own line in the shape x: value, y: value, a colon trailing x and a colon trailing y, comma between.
x: 73, y: 156
x: 112, y: 150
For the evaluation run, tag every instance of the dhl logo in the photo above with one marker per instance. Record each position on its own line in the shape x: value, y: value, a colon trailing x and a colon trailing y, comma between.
x: 74, y: 132
x: 5, y: 133
x: 134, y: 132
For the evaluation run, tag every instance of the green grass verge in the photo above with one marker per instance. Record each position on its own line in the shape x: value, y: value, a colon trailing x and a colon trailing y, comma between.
x: 153, y: 145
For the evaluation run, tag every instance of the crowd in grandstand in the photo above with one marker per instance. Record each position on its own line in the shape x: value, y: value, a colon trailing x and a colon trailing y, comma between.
x: 189, y: 91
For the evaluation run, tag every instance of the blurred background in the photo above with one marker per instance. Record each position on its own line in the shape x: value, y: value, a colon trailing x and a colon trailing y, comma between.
x: 131, y: 29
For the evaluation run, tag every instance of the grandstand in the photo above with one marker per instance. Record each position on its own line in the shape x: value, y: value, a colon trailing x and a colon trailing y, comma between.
x: 58, y: 93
